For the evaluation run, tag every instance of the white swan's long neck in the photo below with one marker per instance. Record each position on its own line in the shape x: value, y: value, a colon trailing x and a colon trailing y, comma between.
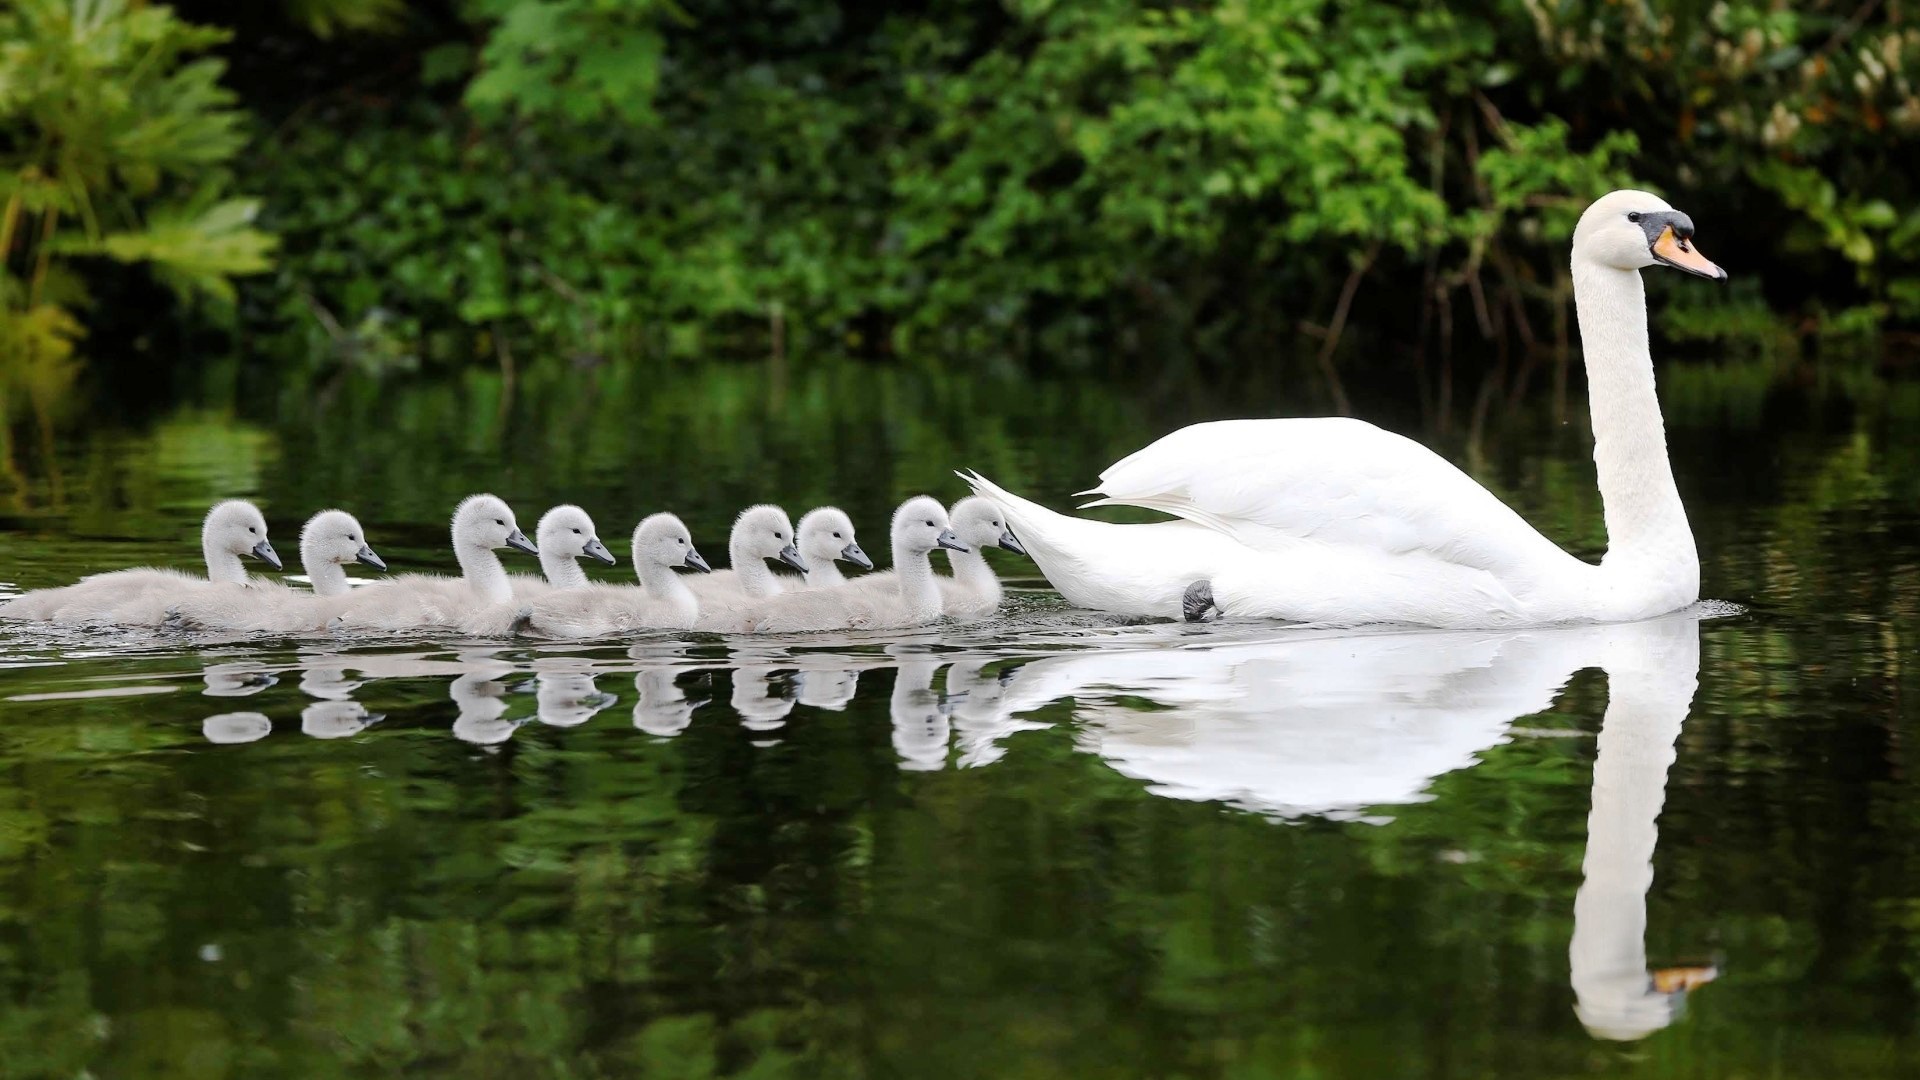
x: 482, y: 570
x: 661, y: 583
x: 971, y: 572
x: 917, y: 587
x: 1650, y: 686
x: 756, y: 578
x: 1646, y: 524
x: 222, y: 565
x: 821, y: 572
x: 562, y: 571
x: 329, y: 578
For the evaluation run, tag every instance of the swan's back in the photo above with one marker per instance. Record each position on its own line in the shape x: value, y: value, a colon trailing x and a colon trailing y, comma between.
x: 1334, y: 480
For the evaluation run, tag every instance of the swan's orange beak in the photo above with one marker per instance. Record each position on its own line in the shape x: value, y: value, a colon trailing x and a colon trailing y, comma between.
x: 1679, y: 253
x: 1670, y: 980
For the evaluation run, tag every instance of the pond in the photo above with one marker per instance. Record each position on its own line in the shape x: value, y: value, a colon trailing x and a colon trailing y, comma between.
x: 1055, y: 844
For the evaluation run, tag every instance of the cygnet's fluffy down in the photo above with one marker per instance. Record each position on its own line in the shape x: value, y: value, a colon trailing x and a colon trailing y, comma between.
x: 909, y: 596
x: 827, y: 540
x: 759, y: 533
x: 330, y: 540
x: 142, y: 596
x: 662, y: 600
x: 973, y: 592
x: 565, y: 535
x: 482, y: 524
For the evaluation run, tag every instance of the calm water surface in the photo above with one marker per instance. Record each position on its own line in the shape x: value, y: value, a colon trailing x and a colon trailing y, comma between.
x: 1051, y: 845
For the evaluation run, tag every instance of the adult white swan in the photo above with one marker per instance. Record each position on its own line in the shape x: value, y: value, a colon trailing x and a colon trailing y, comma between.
x: 1335, y: 521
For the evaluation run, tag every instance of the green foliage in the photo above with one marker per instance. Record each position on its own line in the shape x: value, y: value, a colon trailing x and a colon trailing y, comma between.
x: 115, y: 144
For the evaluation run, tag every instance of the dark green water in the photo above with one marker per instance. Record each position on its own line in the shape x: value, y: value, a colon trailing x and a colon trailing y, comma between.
x: 1047, y: 846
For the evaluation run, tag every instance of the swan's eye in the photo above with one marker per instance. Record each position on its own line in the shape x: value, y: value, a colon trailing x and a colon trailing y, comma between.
x: 353, y: 539
x: 251, y: 529
x: 576, y: 532
x: 836, y: 536
x: 681, y: 541
x: 500, y: 523
x: 1634, y: 216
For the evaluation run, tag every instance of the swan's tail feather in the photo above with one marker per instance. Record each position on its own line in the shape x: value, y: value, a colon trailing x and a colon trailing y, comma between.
x: 1179, y: 508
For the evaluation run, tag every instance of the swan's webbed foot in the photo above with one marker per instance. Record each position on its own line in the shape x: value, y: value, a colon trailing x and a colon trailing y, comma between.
x: 522, y: 622
x: 177, y: 622
x: 1197, y: 603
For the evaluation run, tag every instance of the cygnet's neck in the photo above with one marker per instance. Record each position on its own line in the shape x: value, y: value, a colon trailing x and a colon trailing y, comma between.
x: 662, y: 584
x: 822, y: 572
x: 222, y: 565
x: 971, y: 572
x: 756, y: 578
x: 917, y: 588
x: 1646, y: 524
x: 482, y: 570
x: 563, y: 571
x: 328, y: 578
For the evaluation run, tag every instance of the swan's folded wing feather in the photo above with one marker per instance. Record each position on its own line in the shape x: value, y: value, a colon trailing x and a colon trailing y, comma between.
x: 1268, y: 483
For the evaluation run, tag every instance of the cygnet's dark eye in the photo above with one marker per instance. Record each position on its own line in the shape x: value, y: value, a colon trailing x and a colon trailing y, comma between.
x: 1634, y: 216
x: 681, y: 540
x: 929, y: 523
x: 352, y: 539
x: 499, y: 522
x: 576, y: 532
x: 251, y: 529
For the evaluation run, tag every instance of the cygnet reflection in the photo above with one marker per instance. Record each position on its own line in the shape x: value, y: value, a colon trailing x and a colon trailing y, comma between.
x: 567, y: 698
x: 921, y: 730
x: 480, y: 696
x: 981, y: 712
x: 238, y: 679
x: 661, y: 707
x: 336, y: 719
x: 236, y: 727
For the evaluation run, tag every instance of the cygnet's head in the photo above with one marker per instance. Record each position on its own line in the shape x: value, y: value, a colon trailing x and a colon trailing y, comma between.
x: 483, y: 521
x: 1628, y: 230
x: 764, y: 532
x: 921, y: 524
x: 335, y: 536
x: 979, y: 524
x: 663, y: 540
x: 236, y: 527
x: 567, y: 531
x: 826, y: 535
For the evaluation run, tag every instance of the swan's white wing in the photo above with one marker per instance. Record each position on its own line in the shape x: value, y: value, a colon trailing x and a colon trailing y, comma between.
x: 1268, y: 483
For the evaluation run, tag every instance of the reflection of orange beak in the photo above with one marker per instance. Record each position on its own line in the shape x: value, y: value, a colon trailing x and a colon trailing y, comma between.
x: 1681, y: 255
x: 1669, y: 980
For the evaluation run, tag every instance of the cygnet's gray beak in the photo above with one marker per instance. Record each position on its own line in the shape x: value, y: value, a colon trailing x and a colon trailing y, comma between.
x: 951, y: 542
x: 696, y: 562
x: 599, y: 551
x: 791, y: 556
x: 264, y: 552
x: 519, y: 542
x: 852, y: 553
x: 366, y: 555
x: 1011, y: 543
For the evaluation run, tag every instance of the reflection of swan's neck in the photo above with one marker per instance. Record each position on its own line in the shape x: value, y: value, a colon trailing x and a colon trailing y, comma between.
x: 917, y: 587
x: 562, y: 571
x: 1646, y: 704
x: 970, y: 570
x: 482, y: 569
x: 1646, y: 524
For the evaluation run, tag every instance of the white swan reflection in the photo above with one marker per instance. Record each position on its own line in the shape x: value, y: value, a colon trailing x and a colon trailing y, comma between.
x: 1336, y: 726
